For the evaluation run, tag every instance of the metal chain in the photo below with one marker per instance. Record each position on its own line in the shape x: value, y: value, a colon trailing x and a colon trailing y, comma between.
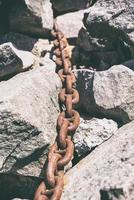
x: 61, y: 152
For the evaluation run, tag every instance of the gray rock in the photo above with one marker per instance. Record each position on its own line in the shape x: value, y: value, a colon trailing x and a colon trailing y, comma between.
x: 20, y: 41
x: 108, y: 93
x: 109, y: 28
x: 71, y: 23
x: 106, y: 173
x: 63, y: 6
x: 31, y: 17
x: 114, y: 93
x: 91, y: 133
x: 13, y: 61
x: 28, y: 113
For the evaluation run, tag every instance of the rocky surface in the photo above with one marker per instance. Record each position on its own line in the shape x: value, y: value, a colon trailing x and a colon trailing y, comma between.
x: 108, y: 93
x: 13, y: 61
x: 107, y: 173
x: 91, y: 133
x: 63, y: 6
x: 31, y: 17
x: 109, y: 30
x: 28, y: 114
x: 71, y: 23
x: 114, y: 93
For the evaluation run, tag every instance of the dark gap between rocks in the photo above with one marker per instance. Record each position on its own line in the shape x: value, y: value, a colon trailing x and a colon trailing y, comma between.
x: 17, y: 186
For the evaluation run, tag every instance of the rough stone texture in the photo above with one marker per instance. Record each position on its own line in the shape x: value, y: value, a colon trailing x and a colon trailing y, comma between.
x: 114, y: 92
x: 31, y: 17
x: 107, y: 173
x: 91, y: 133
x: 63, y: 6
x: 20, y: 41
x: 109, y: 28
x: 71, y: 23
x: 13, y: 60
x: 28, y: 113
x: 109, y: 93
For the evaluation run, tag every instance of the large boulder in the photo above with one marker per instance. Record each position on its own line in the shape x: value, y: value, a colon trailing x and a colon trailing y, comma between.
x: 13, y: 61
x: 109, y: 30
x: 31, y: 17
x: 114, y: 93
x: 92, y: 133
x: 28, y: 113
x: 63, y: 6
x: 107, y: 173
x: 108, y: 93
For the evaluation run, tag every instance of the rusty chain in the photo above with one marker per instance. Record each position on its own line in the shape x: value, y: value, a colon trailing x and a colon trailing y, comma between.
x: 61, y: 152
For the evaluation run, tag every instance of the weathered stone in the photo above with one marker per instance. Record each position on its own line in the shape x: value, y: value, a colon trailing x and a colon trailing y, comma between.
x: 91, y: 133
x: 63, y: 6
x: 41, y: 47
x: 13, y: 60
x: 28, y: 113
x: 114, y: 93
x: 71, y: 23
x: 109, y: 93
x: 106, y: 173
x: 20, y: 41
x: 109, y: 28
x: 31, y: 17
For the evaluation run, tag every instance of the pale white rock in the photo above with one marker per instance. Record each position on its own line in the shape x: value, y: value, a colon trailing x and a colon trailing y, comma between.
x: 71, y: 23
x: 113, y: 92
x: 28, y: 113
x: 106, y: 173
x: 92, y: 133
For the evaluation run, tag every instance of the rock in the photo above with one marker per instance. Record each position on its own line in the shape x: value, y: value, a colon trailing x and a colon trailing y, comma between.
x: 106, y: 173
x: 20, y: 41
x: 28, y: 113
x: 41, y: 47
x: 71, y: 23
x: 48, y: 63
x: 91, y: 133
x: 13, y: 61
x: 63, y: 6
x: 114, y: 93
x: 108, y: 93
x: 109, y: 28
x: 31, y: 17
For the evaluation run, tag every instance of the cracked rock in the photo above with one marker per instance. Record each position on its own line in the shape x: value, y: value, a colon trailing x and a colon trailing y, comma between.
x: 109, y: 93
x: 91, y: 133
x: 28, y: 113
x: 13, y: 61
x: 109, y: 30
x: 106, y: 173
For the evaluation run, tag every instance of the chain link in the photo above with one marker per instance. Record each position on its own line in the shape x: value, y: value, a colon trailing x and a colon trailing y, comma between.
x: 61, y: 152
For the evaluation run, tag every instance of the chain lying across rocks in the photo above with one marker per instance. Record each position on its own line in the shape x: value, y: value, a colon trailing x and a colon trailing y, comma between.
x: 61, y: 152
